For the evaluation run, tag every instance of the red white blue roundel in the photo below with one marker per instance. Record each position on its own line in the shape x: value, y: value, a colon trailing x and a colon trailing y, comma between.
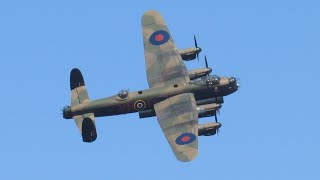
x: 159, y: 37
x: 185, y: 138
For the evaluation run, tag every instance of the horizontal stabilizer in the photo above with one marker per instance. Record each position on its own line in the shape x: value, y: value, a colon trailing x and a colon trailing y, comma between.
x: 79, y: 95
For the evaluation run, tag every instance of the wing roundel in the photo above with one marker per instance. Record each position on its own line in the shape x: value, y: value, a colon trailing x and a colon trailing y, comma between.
x: 178, y: 118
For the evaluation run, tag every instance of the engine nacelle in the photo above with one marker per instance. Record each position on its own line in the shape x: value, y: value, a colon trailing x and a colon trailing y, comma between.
x: 189, y: 54
x: 194, y: 74
x: 217, y: 100
x: 208, y: 129
x: 208, y: 110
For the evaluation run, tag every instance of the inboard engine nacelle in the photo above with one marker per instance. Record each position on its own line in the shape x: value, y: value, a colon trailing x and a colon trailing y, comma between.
x: 208, y: 110
x: 194, y: 74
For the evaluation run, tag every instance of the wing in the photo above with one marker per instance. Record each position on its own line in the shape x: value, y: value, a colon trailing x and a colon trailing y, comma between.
x: 163, y: 61
x: 178, y: 119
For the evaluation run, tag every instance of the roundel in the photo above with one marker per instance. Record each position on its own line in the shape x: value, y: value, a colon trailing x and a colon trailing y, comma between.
x: 159, y: 37
x: 185, y: 138
x: 139, y: 105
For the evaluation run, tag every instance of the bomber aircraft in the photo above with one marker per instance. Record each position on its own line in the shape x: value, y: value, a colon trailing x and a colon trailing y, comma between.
x: 177, y: 97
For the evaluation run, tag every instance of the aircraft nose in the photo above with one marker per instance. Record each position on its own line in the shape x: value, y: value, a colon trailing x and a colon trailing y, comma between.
x: 233, y: 83
x: 232, y: 80
x: 238, y: 86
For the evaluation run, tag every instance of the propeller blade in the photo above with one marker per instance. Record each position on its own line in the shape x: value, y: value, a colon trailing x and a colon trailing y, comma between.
x: 195, y: 41
x: 215, y: 117
x: 205, y: 59
x: 196, y: 45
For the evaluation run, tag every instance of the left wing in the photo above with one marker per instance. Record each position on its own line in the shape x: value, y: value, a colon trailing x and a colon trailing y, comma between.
x: 163, y: 61
x: 178, y: 119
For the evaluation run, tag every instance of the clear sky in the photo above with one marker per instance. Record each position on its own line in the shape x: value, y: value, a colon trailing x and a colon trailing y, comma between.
x: 270, y: 127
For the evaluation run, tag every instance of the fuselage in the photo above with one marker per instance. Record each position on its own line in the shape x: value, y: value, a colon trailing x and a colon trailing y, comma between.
x: 145, y: 99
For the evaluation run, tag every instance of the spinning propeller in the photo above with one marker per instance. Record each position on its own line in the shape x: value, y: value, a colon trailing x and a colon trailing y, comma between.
x: 216, y: 119
x: 196, y: 45
x: 207, y: 66
x: 205, y: 59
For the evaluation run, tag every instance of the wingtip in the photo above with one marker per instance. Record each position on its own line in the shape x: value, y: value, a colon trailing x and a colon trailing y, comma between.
x: 187, y: 158
x: 151, y: 17
x: 151, y: 12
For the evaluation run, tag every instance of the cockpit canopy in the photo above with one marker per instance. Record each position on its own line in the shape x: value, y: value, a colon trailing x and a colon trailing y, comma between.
x: 207, y: 81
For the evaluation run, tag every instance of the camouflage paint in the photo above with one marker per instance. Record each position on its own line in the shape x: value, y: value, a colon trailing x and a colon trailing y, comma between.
x: 172, y: 95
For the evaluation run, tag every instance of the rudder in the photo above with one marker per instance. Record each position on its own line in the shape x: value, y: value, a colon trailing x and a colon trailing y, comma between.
x: 79, y: 92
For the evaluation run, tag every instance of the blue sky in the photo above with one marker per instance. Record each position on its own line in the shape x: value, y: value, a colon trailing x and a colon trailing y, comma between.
x: 270, y: 127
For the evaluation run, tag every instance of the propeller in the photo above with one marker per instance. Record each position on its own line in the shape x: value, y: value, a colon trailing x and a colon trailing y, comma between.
x: 216, y: 119
x: 196, y: 45
x: 207, y: 66
x: 195, y: 41
x: 205, y: 59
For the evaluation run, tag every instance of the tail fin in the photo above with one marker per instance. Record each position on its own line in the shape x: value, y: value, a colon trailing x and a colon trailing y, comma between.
x: 79, y: 95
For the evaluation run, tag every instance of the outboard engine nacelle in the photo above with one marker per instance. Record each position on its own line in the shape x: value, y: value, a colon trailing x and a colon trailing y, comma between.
x: 217, y: 100
x: 206, y: 108
x: 208, y: 129
x: 189, y: 54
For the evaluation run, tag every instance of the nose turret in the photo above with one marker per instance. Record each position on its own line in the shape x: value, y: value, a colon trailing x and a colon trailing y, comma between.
x: 232, y: 80
x: 233, y: 84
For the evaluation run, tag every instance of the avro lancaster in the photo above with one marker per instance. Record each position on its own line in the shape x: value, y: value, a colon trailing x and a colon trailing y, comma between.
x: 176, y: 96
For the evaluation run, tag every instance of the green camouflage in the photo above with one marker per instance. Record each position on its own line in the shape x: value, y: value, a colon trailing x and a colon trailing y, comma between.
x: 177, y: 97
x: 177, y: 115
x: 163, y: 63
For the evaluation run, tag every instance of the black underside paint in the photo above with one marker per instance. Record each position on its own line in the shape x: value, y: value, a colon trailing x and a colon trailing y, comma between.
x: 76, y: 79
x: 89, y: 133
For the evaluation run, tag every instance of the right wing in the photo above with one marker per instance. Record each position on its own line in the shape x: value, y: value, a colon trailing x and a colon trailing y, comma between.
x: 178, y: 118
x: 163, y: 61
